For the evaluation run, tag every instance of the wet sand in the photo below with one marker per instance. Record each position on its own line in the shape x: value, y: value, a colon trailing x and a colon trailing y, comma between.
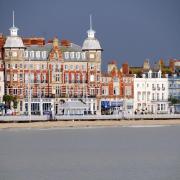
x: 79, y: 124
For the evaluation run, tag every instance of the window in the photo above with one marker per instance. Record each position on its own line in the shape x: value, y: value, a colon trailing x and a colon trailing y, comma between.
x: 138, y: 95
x: 91, y: 66
x: 38, y: 54
x: 31, y: 66
x: 72, y: 55
x: 78, y: 77
x: 77, y: 67
x: 57, y: 90
x: 66, y: 67
x: 78, y: 55
x: 38, y: 78
x: 32, y: 54
x: 21, y: 66
x: 38, y: 66
x: 44, y: 54
x: 66, y: 55
x: 127, y: 90
x: 44, y: 78
x: 162, y: 107
x: 91, y: 56
x: 21, y: 77
x: 57, y: 77
x: 32, y: 77
x: 26, y: 54
x: 115, y: 79
x: 137, y: 85
x: 91, y: 77
x: 157, y: 96
x: 83, y: 55
x: 116, y: 91
x: 84, y: 77
x: 15, y: 77
x: 83, y: 67
x: 15, y: 91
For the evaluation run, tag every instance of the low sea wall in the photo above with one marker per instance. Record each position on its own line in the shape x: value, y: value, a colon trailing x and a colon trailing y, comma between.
x: 37, y: 118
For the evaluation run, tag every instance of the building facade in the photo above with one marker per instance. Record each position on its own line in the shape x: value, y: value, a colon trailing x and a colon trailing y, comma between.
x: 174, y: 87
x: 42, y: 75
x: 151, y: 93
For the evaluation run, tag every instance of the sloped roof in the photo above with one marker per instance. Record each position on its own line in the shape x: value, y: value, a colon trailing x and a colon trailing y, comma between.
x: 14, y: 42
x: 74, y: 105
x: 91, y: 44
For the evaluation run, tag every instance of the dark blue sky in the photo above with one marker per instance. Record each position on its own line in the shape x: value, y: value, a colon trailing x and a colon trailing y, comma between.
x: 128, y: 30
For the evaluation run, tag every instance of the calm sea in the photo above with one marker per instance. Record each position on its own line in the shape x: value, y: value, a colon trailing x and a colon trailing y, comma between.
x: 124, y: 153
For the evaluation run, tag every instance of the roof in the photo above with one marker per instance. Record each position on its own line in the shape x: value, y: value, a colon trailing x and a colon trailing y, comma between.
x: 14, y: 42
x: 91, y: 44
x: 74, y: 105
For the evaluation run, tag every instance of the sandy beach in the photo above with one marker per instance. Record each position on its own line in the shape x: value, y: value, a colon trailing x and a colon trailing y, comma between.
x: 78, y: 124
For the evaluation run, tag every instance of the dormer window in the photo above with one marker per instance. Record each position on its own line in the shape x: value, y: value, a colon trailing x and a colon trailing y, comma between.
x: 78, y: 55
x: 72, y: 55
x: 66, y: 55
x: 32, y: 54
x: 83, y: 55
x: 26, y: 54
x: 38, y: 54
x: 44, y: 55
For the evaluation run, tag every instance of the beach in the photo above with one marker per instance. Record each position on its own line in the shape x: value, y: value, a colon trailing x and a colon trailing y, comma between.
x: 96, y: 123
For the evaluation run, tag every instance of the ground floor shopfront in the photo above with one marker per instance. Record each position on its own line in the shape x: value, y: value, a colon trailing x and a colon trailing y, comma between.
x: 116, y: 106
x: 151, y: 107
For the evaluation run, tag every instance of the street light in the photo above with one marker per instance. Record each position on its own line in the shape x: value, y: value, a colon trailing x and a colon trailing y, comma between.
x: 29, y: 93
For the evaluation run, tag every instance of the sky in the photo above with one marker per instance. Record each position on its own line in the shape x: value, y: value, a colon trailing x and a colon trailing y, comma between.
x: 128, y: 30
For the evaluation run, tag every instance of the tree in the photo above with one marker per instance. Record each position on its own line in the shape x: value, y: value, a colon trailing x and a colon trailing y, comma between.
x: 8, y: 99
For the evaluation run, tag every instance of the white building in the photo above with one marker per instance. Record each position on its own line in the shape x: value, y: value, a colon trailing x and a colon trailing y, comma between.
x: 151, y: 93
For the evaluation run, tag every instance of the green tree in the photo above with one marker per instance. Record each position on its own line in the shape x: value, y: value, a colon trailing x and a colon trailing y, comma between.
x: 8, y: 99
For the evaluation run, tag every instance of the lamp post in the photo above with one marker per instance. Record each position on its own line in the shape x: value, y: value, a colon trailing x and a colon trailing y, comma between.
x: 29, y: 93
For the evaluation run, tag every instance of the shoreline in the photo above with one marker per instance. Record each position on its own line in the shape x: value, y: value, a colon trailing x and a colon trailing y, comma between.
x: 86, y: 124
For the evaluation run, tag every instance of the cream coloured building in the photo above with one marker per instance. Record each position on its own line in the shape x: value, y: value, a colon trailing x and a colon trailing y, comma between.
x: 151, y: 93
